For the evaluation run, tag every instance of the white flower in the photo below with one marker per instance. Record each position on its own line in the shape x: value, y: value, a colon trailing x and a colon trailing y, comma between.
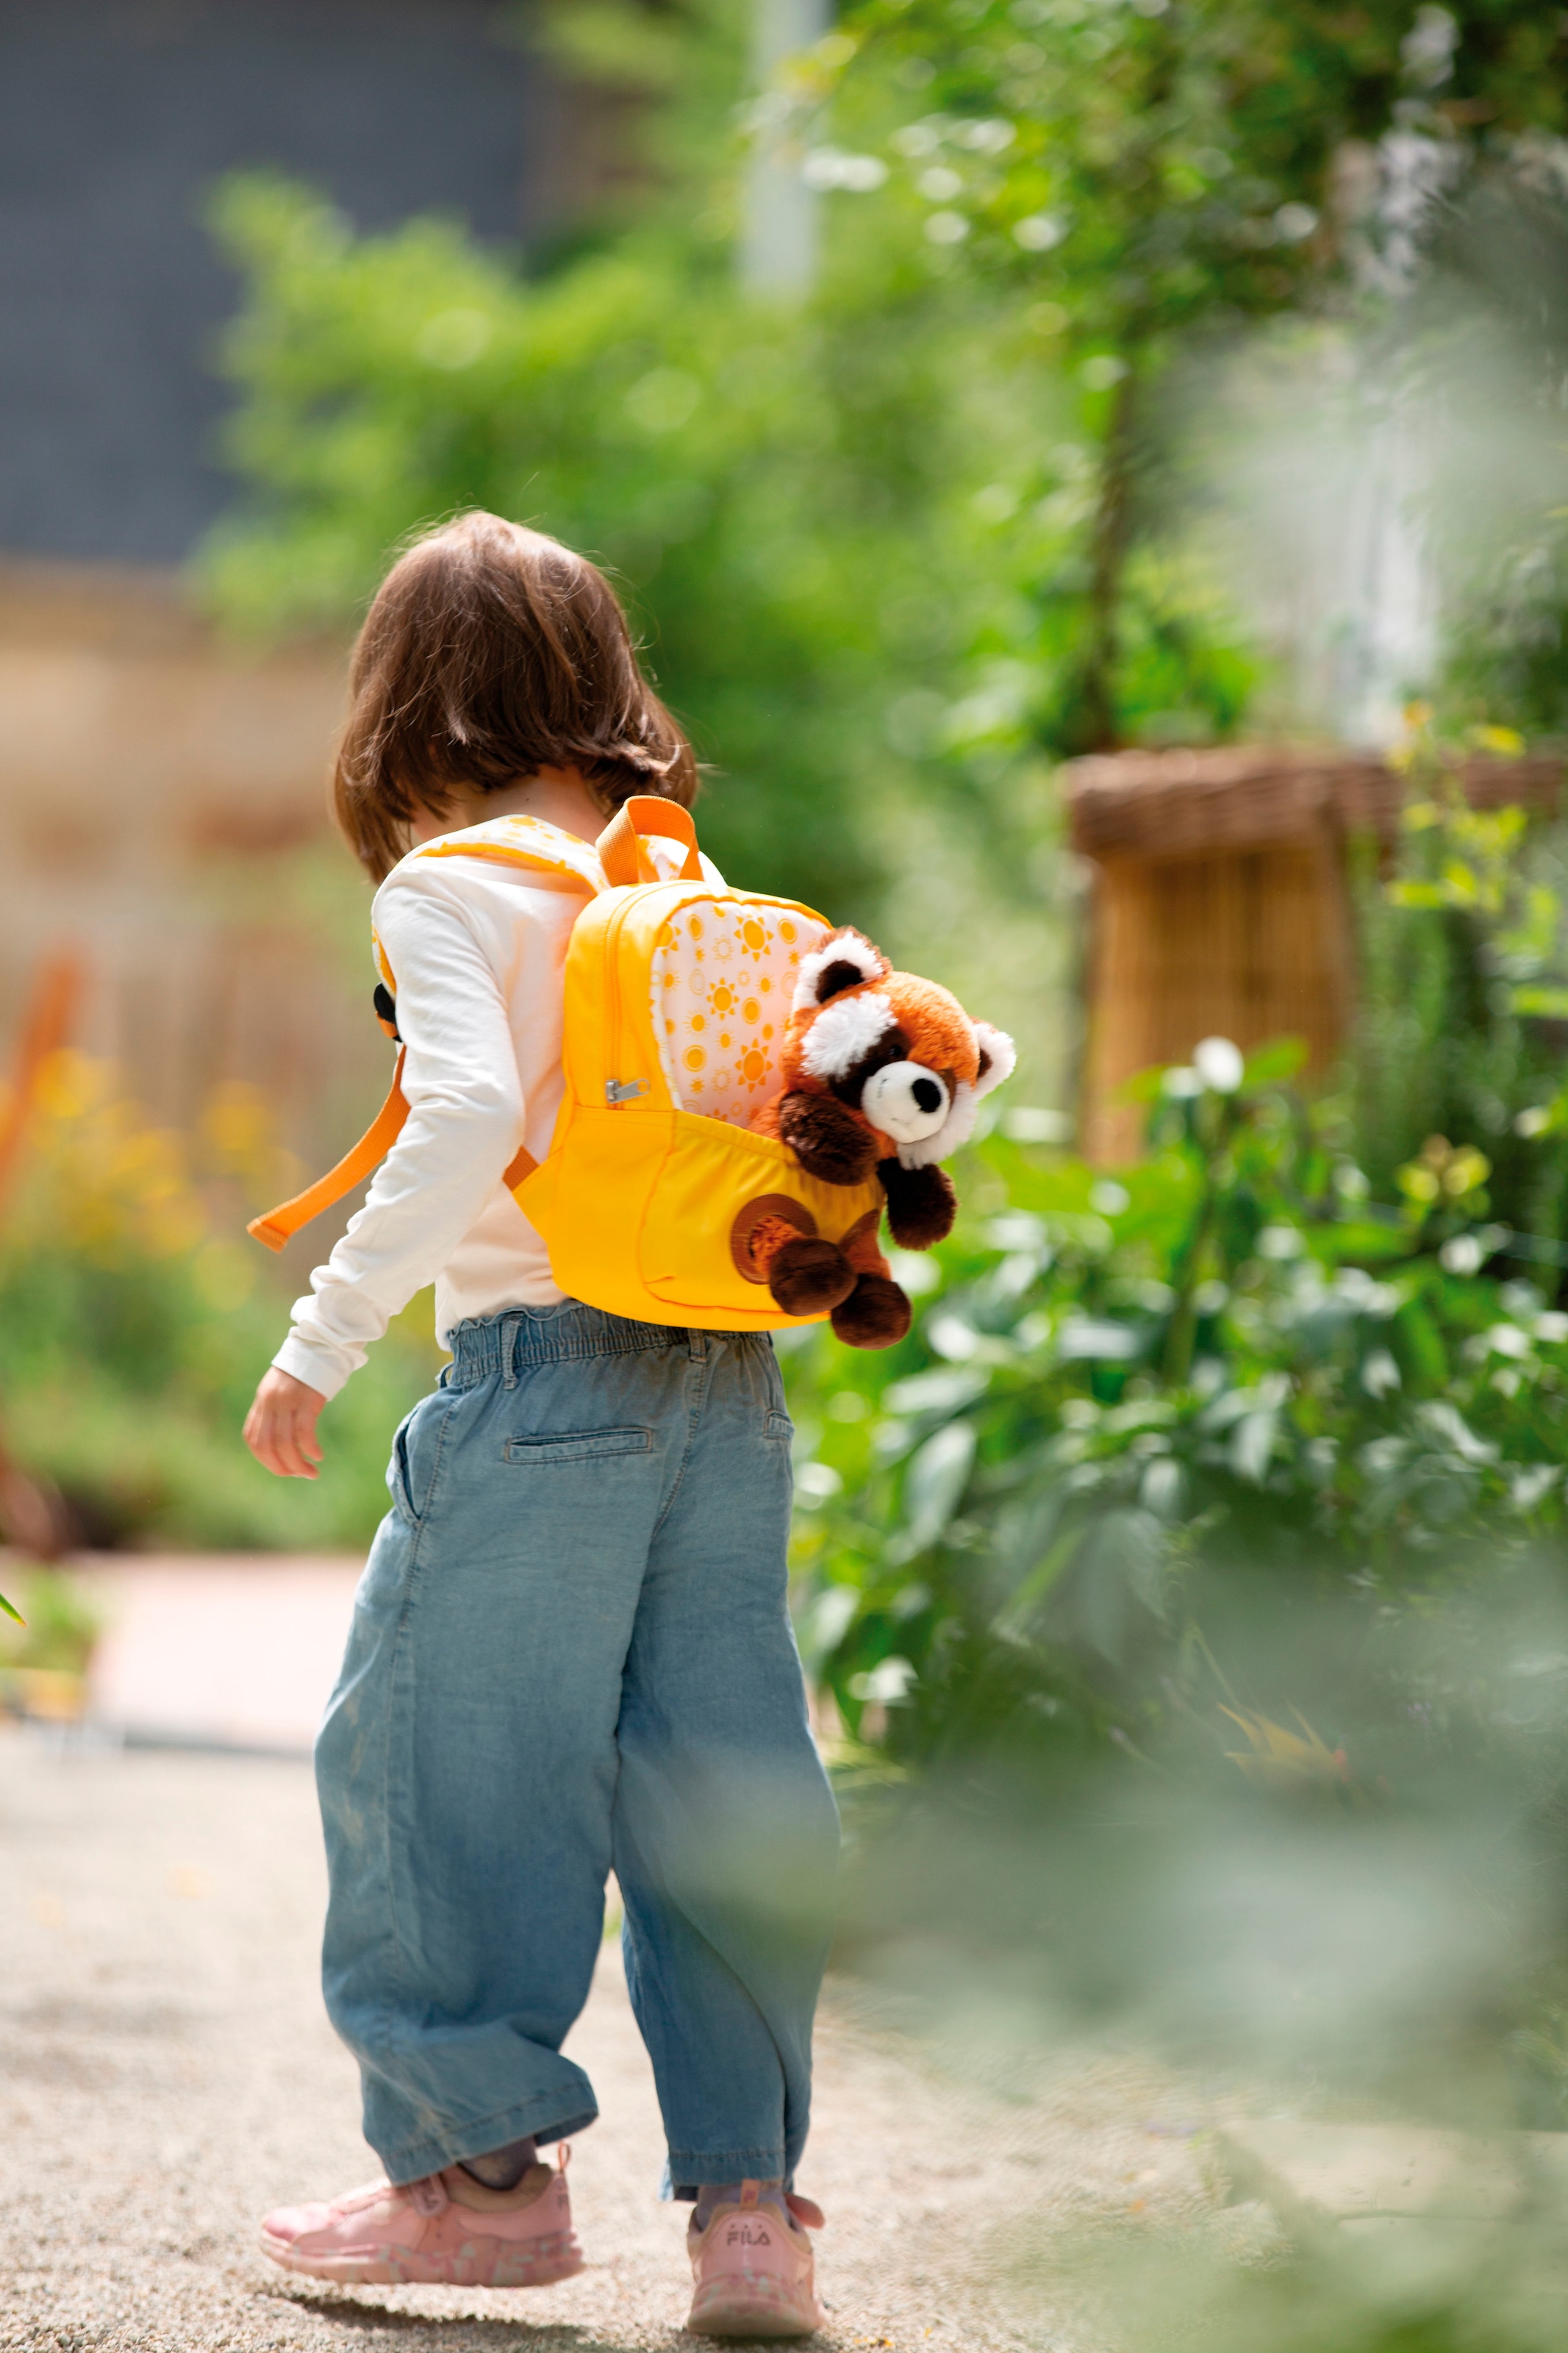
x: 1219, y: 1065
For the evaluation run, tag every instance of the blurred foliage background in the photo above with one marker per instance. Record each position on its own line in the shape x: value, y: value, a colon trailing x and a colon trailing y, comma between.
x: 1201, y: 1551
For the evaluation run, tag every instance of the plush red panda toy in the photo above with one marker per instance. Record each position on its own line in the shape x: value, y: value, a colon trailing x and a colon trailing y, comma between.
x: 882, y: 1074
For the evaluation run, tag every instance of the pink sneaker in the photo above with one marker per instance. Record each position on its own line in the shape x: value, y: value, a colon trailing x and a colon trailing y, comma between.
x: 447, y: 2231
x: 754, y: 2273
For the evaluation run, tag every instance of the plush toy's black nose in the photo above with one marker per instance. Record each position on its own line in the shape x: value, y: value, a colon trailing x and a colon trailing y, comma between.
x: 927, y: 1095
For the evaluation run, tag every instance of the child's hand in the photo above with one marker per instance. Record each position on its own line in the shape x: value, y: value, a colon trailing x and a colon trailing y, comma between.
x: 281, y: 1428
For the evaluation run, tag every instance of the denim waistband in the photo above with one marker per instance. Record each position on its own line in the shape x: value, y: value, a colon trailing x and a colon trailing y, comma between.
x: 518, y: 1337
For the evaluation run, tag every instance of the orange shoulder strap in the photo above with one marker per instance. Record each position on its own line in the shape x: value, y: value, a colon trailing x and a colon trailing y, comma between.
x: 623, y: 859
x: 282, y: 1224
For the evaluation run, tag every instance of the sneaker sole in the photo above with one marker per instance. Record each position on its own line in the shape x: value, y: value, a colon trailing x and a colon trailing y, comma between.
x: 731, y: 2311
x: 556, y: 2258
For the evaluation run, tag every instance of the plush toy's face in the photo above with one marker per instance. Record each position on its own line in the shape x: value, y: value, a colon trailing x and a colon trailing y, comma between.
x: 906, y: 1101
x: 897, y: 1050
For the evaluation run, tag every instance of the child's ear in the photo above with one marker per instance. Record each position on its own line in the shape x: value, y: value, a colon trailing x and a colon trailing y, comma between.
x: 845, y: 959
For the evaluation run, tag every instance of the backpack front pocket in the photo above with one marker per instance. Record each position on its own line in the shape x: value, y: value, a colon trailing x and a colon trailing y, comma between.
x: 712, y: 1177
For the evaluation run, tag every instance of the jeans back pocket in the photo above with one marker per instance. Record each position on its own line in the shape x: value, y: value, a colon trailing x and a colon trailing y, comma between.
x: 577, y: 1446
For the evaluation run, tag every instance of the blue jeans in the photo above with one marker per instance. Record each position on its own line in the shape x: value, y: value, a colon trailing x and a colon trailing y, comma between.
x: 571, y: 1653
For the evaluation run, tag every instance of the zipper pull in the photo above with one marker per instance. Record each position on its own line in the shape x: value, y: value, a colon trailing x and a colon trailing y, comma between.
x: 620, y: 1091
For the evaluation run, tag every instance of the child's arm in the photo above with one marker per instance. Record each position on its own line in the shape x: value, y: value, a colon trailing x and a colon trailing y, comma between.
x: 465, y: 1122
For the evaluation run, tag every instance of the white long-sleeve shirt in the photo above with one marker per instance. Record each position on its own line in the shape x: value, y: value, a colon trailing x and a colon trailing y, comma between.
x: 478, y: 951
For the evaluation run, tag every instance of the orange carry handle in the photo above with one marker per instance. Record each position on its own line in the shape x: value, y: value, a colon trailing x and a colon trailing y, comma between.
x: 280, y: 1225
x: 621, y: 853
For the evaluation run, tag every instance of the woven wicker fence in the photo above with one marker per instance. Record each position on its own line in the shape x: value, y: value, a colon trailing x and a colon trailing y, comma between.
x: 1220, y: 904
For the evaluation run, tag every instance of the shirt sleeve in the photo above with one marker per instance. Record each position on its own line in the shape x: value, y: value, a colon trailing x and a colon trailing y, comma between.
x: 465, y: 1123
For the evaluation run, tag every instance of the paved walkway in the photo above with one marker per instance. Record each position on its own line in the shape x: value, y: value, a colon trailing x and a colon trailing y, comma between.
x: 231, y: 1649
x: 166, y: 2074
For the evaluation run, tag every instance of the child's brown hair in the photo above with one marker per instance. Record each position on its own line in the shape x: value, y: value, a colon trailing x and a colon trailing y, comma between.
x: 491, y: 652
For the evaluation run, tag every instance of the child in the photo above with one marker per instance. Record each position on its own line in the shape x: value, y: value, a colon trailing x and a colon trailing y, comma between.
x: 570, y: 1651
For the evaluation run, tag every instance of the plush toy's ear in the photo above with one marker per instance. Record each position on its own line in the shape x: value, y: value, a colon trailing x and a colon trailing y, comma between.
x: 845, y: 959
x: 997, y: 1057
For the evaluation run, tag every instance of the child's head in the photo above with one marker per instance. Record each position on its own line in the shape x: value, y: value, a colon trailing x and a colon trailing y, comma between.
x: 491, y: 652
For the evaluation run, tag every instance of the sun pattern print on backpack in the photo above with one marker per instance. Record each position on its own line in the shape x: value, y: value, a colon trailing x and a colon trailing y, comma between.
x: 722, y: 980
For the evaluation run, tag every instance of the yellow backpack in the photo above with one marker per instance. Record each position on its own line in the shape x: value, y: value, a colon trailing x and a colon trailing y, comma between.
x: 677, y: 997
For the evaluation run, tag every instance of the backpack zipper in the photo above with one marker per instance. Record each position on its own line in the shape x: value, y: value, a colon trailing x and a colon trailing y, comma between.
x: 618, y: 1090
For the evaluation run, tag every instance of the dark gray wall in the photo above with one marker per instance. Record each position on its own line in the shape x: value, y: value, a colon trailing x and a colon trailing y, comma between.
x: 116, y: 118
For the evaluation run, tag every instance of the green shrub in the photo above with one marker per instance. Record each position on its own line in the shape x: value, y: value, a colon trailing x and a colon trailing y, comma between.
x: 1225, y: 1364
x: 61, y: 1626
x: 1299, y: 1350
x: 136, y: 1318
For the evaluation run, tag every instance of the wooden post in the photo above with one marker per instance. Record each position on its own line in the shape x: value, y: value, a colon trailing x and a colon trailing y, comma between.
x: 1221, y: 906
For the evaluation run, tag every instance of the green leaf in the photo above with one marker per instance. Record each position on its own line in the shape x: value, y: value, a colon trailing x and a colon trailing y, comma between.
x: 1544, y: 1002
x: 1252, y: 1445
x: 1087, y: 1337
x: 1121, y: 1558
x: 10, y: 1612
x: 1027, y: 1597
x: 1279, y: 1059
x: 1356, y: 1240
x: 942, y: 1391
x: 935, y: 1480
x: 1420, y: 1342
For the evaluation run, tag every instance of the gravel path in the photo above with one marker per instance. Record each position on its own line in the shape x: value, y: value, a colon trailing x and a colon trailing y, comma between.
x: 166, y: 2074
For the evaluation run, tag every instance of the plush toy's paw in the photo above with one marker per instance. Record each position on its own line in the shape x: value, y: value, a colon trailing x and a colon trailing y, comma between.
x: 809, y: 1275
x: 875, y: 1315
x: 922, y: 1204
x: 827, y: 1138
